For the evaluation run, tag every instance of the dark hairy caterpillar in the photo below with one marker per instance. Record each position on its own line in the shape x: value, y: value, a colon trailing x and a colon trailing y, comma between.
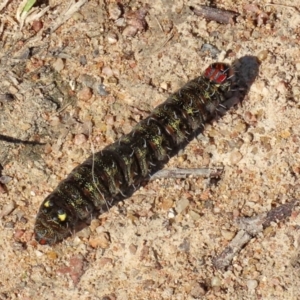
x: 116, y: 171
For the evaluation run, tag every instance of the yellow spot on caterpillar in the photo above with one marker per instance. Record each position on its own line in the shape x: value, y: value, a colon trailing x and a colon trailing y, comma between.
x: 62, y: 217
x: 47, y: 203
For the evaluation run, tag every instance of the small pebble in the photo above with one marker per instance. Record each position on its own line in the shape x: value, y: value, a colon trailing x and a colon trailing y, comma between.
x: 5, y: 179
x: 182, y: 204
x: 101, y: 89
x: 112, y: 38
x: 215, y: 282
x: 37, y: 25
x: 114, y: 11
x: 107, y: 71
x: 132, y: 249
x: 171, y: 213
x: 102, y: 241
x: 6, y: 97
x: 197, y: 291
x: 58, y: 65
x: 77, y: 17
x: 235, y: 157
x: 83, y: 60
x: 80, y: 139
x: 252, y: 284
x: 104, y: 261
x: 214, y: 51
x: 262, y: 55
x: 282, y: 87
x: 194, y: 216
x: 227, y: 235
x: 285, y: 134
x: 7, y: 209
x: 121, y: 22
x: 85, y: 94
x: 167, y: 203
x: 54, y: 121
x: 164, y: 85
x: 18, y: 234
x: 52, y: 255
x: 184, y: 246
x: 130, y: 31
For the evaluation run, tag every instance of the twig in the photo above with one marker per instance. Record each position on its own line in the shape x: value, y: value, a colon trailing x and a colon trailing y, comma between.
x: 215, y: 14
x: 250, y: 227
x: 13, y: 140
x: 183, y: 173
x: 158, y: 23
x: 68, y: 13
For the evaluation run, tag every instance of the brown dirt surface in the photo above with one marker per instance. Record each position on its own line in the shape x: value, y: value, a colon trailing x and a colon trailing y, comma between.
x: 75, y: 88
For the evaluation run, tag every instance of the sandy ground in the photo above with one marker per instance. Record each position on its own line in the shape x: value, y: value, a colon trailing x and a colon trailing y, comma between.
x: 78, y: 88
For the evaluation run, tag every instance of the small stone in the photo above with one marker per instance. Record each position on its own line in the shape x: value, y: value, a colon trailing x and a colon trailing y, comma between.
x: 197, y: 291
x: 80, y: 139
x: 282, y: 87
x: 18, y: 234
x: 100, y: 88
x: 114, y: 11
x: 52, y: 255
x: 130, y: 31
x: 58, y: 65
x: 167, y: 203
x: 285, y: 134
x: 235, y: 157
x: 37, y: 25
x: 132, y: 249
x: 7, y: 209
x: 83, y: 60
x: 252, y: 284
x: 104, y: 261
x: 268, y: 230
x: 102, y: 241
x: 215, y: 282
x: 248, y: 138
x: 112, y: 38
x: 262, y: 55
x: 113, y: 80
x: 181, y: 205
x: 121, y: 22
x: 38, y: 253
x: 107, y: 71
x: 5, y: 179
x: 227, y: 235
x: 241, y: 127
x: 94, y: 224
x: 54, y: 121
x: 171, y: 213
x: 85, y: 94
x: 164, y: 85
x: 194, y: 216
x: 184, y: 246
x: 77, y: 17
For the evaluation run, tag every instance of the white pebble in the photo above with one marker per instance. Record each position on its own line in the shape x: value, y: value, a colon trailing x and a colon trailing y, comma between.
x: 215, y: 281
x: 252, y: 284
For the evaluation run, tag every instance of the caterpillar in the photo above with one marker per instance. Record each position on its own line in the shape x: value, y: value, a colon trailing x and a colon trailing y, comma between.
x: 116, y: 171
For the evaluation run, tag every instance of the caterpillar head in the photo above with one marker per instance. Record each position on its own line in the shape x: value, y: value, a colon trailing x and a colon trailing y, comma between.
x: 219, y: 73
x: 53, y: 222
